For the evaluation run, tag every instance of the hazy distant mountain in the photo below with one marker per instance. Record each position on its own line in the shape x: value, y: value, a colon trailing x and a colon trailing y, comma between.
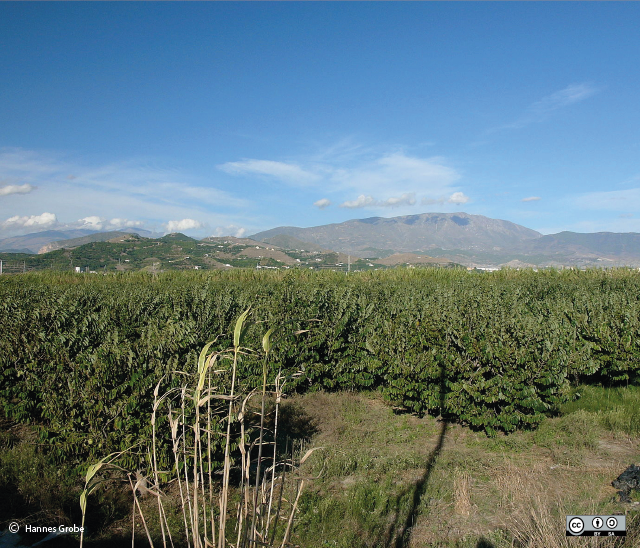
x: 32, y: 243
x: 610, y: 244
x: 286, y: 241
x: 411, y: 233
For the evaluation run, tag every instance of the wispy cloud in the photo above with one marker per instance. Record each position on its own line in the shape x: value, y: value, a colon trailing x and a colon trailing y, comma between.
x: 613, y: 200
x: 396, y: 172
x: 531, y: 199
x: 540, y: 110
x: 16, y: 189
x: 289, y: 173
x: 379, y: 180
x: 563, y: 98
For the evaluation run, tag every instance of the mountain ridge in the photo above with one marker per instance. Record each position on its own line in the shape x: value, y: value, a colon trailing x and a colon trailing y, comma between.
x: 411, y: 233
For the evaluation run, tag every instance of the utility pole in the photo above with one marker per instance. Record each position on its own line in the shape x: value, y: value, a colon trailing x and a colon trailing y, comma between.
x: 349, y: 265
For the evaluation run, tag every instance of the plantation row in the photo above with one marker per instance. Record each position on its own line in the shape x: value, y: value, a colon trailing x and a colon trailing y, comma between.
x: 81, y: 355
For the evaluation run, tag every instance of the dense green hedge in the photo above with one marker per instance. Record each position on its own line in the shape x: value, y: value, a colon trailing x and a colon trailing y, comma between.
x: 81, y: 354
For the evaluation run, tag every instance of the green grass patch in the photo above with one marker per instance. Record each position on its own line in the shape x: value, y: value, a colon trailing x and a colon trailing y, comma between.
x: 615, y: 409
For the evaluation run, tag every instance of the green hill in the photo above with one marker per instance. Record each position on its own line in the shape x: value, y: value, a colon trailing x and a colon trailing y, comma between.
x: 130, y: 252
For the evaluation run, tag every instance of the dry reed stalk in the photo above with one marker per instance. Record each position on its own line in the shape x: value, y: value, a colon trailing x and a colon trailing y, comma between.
x: 210, y: 463
x: 293, y: 511
x: 279, y: 388
x: 227, y: 461
x: 134, y: 488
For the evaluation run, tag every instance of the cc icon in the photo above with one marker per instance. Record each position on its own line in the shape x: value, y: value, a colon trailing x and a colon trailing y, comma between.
x: 576, y: 525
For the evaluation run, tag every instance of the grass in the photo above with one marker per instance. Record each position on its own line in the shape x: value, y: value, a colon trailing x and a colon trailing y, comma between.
x: 508, y: 491
x: 616, y: 409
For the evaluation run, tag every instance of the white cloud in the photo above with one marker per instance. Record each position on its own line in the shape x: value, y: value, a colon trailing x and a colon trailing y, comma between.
x: 124, y: 223
x: 230, y: 230
x: 408, y: 198
x: 455, y: 198
x: 362, y: 201
x: 183, y: 224
x: 16, y: 189
x: 289, y: 173
x: 93, y: 222
x: 458, y: 198
x: 321, y: 204
x: 531, y: 199
x: 40, y: 221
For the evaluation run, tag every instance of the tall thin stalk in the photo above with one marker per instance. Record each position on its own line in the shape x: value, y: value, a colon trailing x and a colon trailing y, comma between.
x: 227, y: 461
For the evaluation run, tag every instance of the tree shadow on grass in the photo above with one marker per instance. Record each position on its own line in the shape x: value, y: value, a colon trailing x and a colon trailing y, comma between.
x: 398, y: 534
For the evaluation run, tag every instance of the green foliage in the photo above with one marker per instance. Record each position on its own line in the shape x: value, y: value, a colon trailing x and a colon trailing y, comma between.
x: 80, y: 356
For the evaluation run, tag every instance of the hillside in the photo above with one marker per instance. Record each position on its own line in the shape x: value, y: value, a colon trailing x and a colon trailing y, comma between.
x: 411, y: 259
x: 77, y: 242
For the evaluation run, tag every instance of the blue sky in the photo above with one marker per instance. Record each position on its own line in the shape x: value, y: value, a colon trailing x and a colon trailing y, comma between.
x: 234, y: 117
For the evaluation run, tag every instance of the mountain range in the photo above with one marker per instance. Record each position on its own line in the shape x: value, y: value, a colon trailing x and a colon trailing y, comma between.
x: 470, y: 240
x: 411, y: 233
